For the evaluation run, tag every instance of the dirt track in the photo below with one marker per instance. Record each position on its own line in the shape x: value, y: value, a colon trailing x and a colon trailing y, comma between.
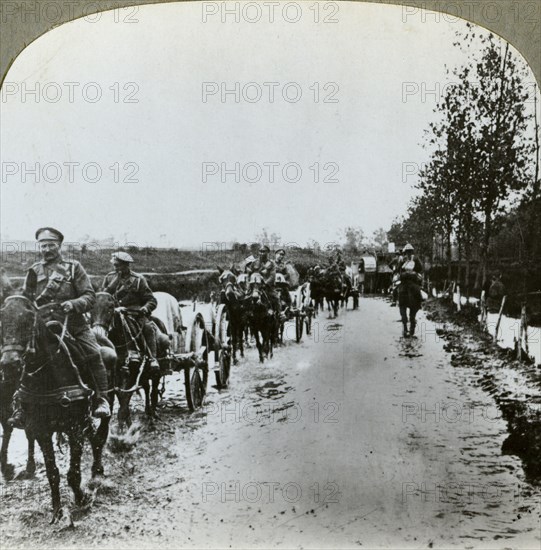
x: 353, y: 438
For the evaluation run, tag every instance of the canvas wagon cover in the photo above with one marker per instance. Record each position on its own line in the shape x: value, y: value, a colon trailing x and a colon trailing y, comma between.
x: 369, y: 264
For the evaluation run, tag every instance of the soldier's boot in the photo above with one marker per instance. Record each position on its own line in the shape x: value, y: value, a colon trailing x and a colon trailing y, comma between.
x: 18, y: 418
x: 412, y: 328
x: 149, y: 333
x: 100, y: 405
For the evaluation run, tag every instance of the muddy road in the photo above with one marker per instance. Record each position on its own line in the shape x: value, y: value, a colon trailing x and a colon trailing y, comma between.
x: 353, y: 438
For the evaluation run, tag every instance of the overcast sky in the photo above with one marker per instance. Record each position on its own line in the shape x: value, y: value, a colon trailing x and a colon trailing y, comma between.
x: 156, y: 147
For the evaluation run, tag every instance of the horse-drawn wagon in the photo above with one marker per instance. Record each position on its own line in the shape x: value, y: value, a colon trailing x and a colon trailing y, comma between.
x: 200, y: 346
x: 303, y: 310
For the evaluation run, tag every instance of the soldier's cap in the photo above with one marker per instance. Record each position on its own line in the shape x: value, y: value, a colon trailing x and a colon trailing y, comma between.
x: 264, y: 248
x: 49, y: 234
x: 122, y: 257
x: 279, y: 250
x: 408, y: 247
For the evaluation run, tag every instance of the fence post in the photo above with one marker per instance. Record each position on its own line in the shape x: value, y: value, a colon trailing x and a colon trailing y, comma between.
x: 499, y: 318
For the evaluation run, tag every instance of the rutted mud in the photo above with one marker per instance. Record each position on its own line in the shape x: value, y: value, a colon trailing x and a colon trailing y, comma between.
x: 362, y: 439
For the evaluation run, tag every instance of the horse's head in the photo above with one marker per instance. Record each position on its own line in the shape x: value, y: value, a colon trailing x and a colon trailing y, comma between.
x: 19, y: 321
x: 256, y: 283
x: 103, y: 313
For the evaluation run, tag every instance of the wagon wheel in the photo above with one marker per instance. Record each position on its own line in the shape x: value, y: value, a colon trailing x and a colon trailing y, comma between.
x: 222, y: 335
x: 298, y: 327
x: 222, y: 375
x: 196, y: 378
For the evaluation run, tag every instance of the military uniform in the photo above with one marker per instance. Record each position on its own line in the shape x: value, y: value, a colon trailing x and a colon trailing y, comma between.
x: 132, y: 292
x: 267, y: 270
x: 409, y: 290
x: 52, y: 283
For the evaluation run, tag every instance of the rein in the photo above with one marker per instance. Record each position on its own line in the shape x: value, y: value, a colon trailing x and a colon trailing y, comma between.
x: 31, y: 349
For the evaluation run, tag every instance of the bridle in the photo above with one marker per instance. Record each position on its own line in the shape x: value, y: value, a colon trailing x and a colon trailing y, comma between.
x: 13, y: 346
x: 30, y: 348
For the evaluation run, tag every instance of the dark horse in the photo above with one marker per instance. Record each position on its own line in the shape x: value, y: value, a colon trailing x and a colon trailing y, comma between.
x: 8, y: 386
x: 261, y: 317
x: 52, y: 393
x: 409, y: 297
x: 327, y: 284
x: 121, y: 330
x: 233, y: 297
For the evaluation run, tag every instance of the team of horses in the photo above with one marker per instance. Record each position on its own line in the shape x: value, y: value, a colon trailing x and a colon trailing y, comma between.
x: 39, y: 362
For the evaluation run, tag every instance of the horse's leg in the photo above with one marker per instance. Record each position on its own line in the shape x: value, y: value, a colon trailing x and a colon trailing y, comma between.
x: 235, y: 341
x: 404, y: 317
x: 76, y: 439
x: 53, y: 475
x: 240, y: 341
x: 97, y: 442
x: 413, y: 323
x: 146, y: 388
x: 8, y: 470
x: 154, y: 396
x: 30, y: 461
x: 258, y: 344
x: 271, y: 346
x: 124, y: 416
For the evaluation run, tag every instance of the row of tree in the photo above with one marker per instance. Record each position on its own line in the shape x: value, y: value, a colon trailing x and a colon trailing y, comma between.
x: 482, y: 176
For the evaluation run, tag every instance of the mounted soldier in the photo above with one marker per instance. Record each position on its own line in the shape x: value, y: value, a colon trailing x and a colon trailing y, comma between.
x: 409, y: 289
x: 65, y: 288
x: 286, y: 278
x: 133, y: 296
x: 267, y: 269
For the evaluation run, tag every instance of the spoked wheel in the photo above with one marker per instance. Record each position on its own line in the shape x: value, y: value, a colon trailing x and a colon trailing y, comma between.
x: 195, y: 381
x: 222, y: 335
x: 222, y: 375
x: 298, y: 327
x: 196, y: 378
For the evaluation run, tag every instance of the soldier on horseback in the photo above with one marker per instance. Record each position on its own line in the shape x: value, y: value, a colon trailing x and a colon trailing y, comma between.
x: 65, y: 287
x: 133, y: 295
x: 283, y: 283
x: 409, y: 289
x: 267, y: 269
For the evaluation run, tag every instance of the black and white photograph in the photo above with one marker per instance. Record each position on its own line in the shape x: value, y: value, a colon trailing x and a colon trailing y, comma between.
x: 270, y: 274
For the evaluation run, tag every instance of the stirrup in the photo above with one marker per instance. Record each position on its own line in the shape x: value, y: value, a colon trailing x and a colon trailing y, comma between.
x: 134, y: 357
x: 102, y: 409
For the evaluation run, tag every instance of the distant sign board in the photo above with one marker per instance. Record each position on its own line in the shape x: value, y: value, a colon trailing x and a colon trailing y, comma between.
x: 391, y: 248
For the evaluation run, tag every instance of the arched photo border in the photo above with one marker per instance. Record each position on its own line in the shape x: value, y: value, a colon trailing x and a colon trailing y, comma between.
x: 21, y: 23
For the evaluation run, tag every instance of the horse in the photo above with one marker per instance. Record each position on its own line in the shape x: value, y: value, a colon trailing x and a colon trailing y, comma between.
x: 53, y: 395
x: 327, y: 284
x: 351, y: 290
x: 233, y: 297
x: 261, y: 317
x: 8, y: 386
x: 131, y: 372
x: 409, y: 297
